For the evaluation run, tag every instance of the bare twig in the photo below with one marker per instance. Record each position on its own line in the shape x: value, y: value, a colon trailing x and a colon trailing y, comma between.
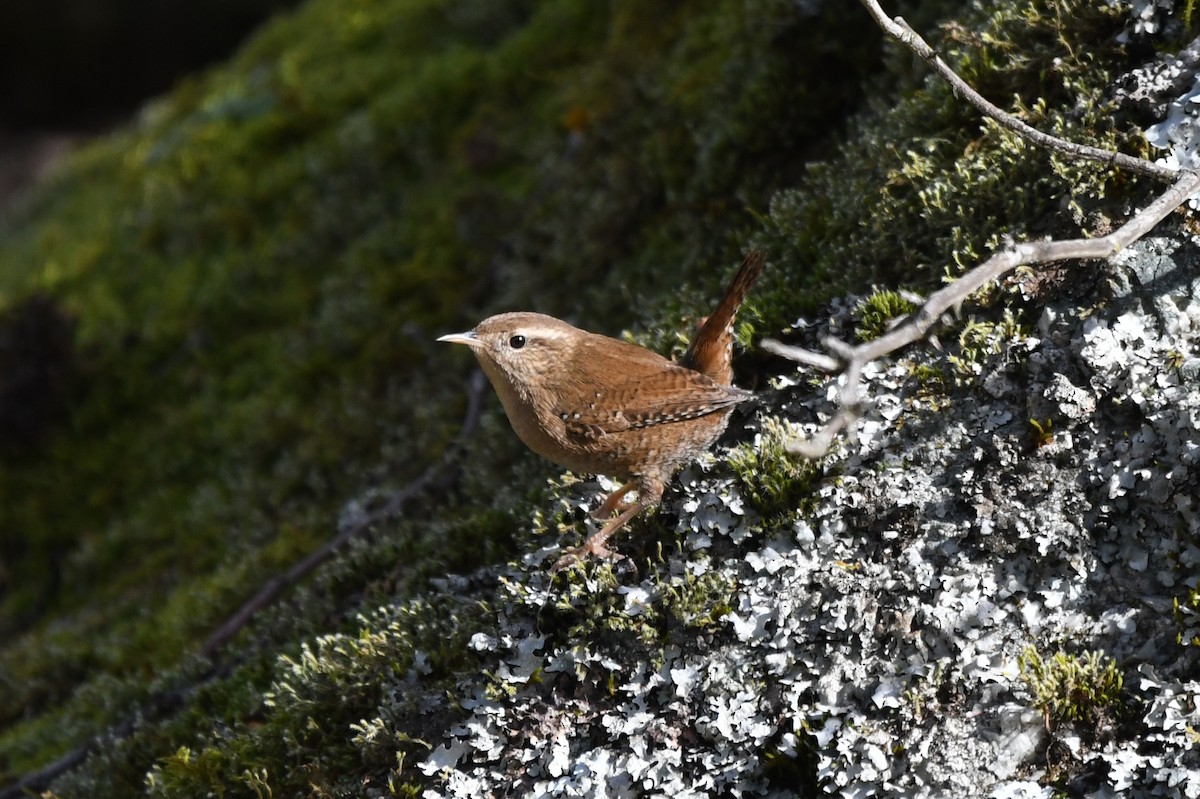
x: 917, y: 325
x: 902, y: 32
x: 852, y: 359
x: 818, y: 360
x: 437, y: 475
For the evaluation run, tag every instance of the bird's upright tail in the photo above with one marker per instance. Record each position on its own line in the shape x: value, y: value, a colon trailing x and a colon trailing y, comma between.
x: 711, y: 350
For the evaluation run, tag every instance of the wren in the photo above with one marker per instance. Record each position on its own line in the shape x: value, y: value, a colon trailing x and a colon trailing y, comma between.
x: 598, y: 405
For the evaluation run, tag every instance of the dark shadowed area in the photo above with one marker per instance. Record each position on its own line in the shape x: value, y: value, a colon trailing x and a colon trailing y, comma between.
x: 70, y: 69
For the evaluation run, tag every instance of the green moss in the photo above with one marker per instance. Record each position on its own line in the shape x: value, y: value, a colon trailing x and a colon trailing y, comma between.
x: 773, y: 480
x: 1073, y: 688
x: 321, y: 715
x: 927, y: 695
x: 190, y: 773
x: 923, y: 189
x: 698, y: 602
x: 590, y: 606
x: 979, y: 340
x: 1187, y: 611
x: 932, y: 382
x: 879, y: 311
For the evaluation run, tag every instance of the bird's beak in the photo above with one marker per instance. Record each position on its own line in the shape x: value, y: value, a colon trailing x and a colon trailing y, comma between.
x: 469, y: 338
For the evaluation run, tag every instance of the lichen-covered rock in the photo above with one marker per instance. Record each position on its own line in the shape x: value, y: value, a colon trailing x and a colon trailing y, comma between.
x: 879, y: 639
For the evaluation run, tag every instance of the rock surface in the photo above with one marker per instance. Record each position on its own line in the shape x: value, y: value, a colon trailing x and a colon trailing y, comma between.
x: 883, y: 633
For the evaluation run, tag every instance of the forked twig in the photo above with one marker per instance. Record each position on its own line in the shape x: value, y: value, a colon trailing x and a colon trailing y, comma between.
x: 853, y: 359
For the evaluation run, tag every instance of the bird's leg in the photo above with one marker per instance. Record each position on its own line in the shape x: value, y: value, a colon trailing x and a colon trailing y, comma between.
x: 613, y: 501
x: 650, y: 490
x: 594, y: 546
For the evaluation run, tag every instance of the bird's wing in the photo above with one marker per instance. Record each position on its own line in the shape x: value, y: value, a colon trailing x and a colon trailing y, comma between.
x: 665, y: 395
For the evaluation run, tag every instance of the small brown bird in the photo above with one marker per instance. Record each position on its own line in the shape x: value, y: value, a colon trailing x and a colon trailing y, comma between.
x: 598, y: 405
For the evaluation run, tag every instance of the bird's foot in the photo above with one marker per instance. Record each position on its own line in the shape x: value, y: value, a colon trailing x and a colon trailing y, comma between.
x: 613, y: 502
x: 588, y: 550
x: 596, y: 544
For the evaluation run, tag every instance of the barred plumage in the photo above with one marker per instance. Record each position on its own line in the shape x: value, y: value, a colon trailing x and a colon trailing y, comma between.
x: 603, y: 406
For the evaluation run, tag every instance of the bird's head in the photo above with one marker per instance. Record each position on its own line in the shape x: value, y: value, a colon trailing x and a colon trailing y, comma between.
x: 523, y: 349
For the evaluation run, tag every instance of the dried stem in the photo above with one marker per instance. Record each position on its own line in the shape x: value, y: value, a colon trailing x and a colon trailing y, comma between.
x: 900, y: 30
x: 852, y: 359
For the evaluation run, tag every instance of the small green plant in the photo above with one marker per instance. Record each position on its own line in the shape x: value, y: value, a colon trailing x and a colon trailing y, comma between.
x: 932, y: 382
x: 1187, y: 616
x: 1045, y: 432
x: 876, y: 312
x: 775, y: 481
x: 187, y: 770
x: 925, y: 694
x: 698, y: 601
x: 981, y: 339
x: 1076, y: 688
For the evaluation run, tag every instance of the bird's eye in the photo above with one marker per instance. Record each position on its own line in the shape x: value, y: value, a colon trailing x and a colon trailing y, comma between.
x: 516, y: 342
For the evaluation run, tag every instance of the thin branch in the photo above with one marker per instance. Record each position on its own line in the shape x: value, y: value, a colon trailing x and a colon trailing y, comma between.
x: 818, y: 360
x: 917, y: 325
x: 899, y: 29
